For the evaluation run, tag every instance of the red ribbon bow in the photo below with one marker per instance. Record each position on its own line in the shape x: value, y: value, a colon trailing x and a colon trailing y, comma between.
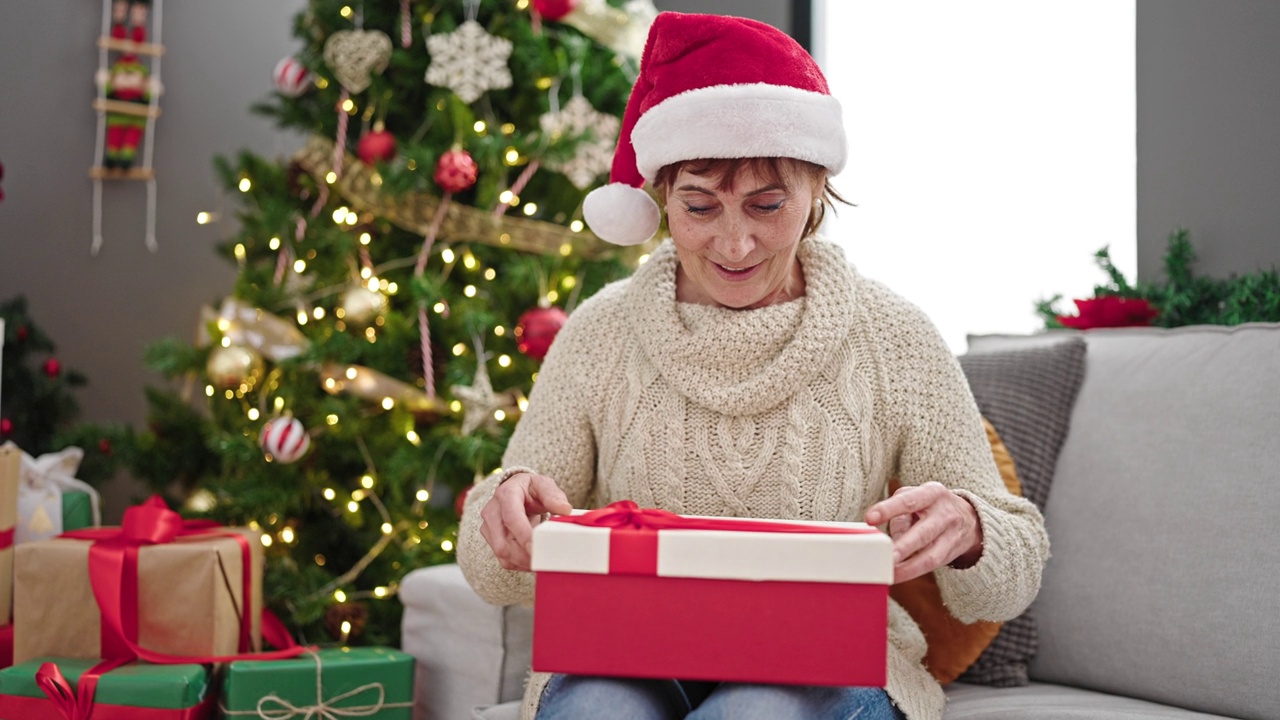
x: 633, y: 536
x: 113, y: 572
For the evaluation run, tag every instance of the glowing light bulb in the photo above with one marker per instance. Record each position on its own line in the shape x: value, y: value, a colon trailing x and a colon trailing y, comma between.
x: 366, y: 481
x: 253, y: 413
x: 279, y: 403
x: 439, y: 308
x: 380, y: 591
x: 365, y: 238
x: 351, y: 373
x: 469, y: 261
x: 274, y: 243
x: 330, y: 494
x: 318, y: 313
x: 412, y: 437
x: 266, y: 540
x: 287, y: 536
x: 339, y: 596
x: 568, y: 282
x: 506, y: 196
x: 490, y: 273
x: 504, y: 360
x: 566, y: 249
x: 208, y: 390
x: 202, y: 218
x: 499, y: 331
x: 459, y: 349
x: 302, y: 317
x: 446, y: 255
x: 340, y: 214
x: 469, y: 291
x: 530, y: 208
x: 455, y: 406
x: 576, y: 226
x: 331, y: 177
x: 446, y: 546
x: 479, y: 127
x: 353, y: 506
x: 245, y: 184
x: 386, y: 528
x: 422, y: 496
x: 299, y: 265
x: 499, y: 415
x: 239, y: 251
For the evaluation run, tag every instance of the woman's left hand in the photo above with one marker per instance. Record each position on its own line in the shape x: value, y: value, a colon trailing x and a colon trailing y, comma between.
x: 931, y: 527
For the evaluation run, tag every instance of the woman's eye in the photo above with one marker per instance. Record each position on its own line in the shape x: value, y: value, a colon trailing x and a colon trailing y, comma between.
x: 698, y: 210
x: 770, y: 208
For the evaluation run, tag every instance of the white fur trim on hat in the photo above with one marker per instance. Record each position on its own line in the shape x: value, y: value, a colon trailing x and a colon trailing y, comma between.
x: 741, y: 121
x: 621, y: 214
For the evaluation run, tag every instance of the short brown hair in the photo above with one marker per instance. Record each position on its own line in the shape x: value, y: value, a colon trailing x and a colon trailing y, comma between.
x: 771, y: 169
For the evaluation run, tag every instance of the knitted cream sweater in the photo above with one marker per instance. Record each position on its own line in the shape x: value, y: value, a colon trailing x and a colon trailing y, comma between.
x: 799, y: 410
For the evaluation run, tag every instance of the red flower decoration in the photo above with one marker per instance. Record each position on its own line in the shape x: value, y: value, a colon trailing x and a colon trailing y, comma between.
x: 1110, y: 311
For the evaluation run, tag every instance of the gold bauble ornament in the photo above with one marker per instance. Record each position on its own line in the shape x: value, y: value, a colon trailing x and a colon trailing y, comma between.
x: 229, y: 368
x: 360, y: 305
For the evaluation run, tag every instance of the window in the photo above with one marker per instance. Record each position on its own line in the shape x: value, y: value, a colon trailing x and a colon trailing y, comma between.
x: 992, y: 150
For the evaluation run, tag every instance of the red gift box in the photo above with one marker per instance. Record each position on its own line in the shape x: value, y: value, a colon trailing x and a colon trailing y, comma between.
x: 645, y: 593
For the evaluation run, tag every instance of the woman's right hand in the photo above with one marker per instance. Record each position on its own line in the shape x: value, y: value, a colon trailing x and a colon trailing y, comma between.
x: 517, y: 505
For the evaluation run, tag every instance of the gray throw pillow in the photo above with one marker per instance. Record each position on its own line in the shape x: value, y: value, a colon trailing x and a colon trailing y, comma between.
x: 1027, y: 394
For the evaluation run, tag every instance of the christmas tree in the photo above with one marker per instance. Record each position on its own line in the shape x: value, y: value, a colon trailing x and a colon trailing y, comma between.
x: 36, y: 401
x: 400, y: 278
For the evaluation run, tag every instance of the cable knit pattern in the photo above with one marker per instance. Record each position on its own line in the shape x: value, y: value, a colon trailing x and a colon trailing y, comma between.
x: 799, y: 410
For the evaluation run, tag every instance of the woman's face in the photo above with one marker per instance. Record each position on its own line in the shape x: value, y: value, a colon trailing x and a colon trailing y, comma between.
x: 737, y: 246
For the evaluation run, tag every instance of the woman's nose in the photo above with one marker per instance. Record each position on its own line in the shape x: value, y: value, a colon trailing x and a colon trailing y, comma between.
x: 735, y: 240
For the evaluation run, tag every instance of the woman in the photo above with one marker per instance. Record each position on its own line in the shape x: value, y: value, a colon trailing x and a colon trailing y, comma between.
x: 747, y: 370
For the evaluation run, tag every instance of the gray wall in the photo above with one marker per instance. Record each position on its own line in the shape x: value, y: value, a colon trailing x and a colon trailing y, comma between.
x: 1209, y: 132
x: 102, y: 311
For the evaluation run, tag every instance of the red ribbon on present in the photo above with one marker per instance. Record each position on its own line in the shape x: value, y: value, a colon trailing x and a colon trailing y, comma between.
x: 633, y: 536
x: 6, y: 538
x: 62, y: 703
x: 113, y: 572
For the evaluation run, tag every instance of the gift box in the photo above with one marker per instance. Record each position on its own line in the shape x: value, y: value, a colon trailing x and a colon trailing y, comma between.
x: 645, y: 593
x: 184, y: 596
x: 131, y: 692
x: 367, y: 682
x: 50, y: 498
x: 10, y: 471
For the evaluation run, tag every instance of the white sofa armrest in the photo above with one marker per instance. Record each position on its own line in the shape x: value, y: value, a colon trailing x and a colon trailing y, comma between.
x: 469, y: 653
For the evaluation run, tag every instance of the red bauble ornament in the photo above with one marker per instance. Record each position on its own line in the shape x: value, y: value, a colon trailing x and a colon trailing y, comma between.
x: 461, y: 499
x: 376, y: 146
x: 104, y: 446
x: 537, y: 328
x: 456, y: 171
x: 52, y: 367
x: 6, y: 426
x: 291, y: 77
x: 554, y: 9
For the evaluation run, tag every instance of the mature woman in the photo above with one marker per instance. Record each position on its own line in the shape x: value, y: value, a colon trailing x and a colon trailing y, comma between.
x: 747, y: 370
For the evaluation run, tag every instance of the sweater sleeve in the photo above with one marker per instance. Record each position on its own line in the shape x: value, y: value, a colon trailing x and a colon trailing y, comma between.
x: 553, y: 438
x: 939, y: 436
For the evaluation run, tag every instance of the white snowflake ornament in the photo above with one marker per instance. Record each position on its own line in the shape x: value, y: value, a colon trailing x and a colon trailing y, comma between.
x: 469, y: 61
x: 592, y: 156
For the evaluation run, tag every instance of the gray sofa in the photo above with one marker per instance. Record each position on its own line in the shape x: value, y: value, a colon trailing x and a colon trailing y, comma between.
x: 1161, y: 599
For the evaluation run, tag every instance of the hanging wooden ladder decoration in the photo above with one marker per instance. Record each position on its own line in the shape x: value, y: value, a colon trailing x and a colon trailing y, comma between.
x: 127, y: 103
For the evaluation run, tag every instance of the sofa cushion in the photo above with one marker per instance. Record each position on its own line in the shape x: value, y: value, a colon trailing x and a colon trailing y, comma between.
x: 1044, y: 701
x: 1164, y: 582
x: 1027, y: 393
x: 468, y: 652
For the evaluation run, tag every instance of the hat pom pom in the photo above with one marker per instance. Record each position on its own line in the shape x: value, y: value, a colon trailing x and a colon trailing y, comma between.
x: 621, y: 214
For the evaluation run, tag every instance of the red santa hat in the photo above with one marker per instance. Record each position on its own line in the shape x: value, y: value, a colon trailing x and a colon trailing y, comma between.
x: 713, y: 86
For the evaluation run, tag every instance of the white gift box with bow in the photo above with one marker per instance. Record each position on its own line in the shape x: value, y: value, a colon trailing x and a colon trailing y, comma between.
x: 42, y: 483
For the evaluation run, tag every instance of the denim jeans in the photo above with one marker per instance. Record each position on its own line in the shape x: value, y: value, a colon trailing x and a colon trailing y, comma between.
x: 576, y: 697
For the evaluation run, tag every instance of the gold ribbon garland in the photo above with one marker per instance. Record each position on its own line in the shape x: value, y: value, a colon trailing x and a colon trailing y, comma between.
x: 414, y: 211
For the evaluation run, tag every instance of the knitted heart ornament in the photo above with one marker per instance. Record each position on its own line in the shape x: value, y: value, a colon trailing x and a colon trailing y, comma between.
x: 355, y: 56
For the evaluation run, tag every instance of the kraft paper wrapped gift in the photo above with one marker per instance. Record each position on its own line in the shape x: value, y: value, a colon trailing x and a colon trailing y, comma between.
x: 627, y: 592
x: 10, y: 470
x: 367, y: 682
x: 190, y: 596
x: 132, y: 692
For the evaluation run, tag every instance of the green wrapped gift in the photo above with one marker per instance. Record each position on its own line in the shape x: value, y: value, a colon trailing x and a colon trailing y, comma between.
x: 366, y: 682
x: 77, y: 511
x: 122, y: 692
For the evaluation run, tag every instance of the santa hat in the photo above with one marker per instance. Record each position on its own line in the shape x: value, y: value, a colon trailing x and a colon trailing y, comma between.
x: 713, y: 86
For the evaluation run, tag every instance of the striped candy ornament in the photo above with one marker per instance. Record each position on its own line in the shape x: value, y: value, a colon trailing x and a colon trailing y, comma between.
x: 284, y: 439
x: 291, y: 77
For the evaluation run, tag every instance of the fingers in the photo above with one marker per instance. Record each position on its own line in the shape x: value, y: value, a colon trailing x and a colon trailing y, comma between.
x: 549, y: 496
x: 930, y: 526
x: 508, y: 519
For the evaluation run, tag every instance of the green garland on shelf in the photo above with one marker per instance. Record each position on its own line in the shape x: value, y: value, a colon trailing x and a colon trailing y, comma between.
x: 1184, y: 298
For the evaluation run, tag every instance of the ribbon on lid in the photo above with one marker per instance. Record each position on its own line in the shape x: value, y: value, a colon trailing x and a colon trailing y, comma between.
x: 113, y: 572
x: 633, y: 536
x: 6, y: 539
x: 274, y: 707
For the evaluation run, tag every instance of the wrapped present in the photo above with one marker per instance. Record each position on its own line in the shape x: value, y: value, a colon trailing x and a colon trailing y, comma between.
x: 366, y: 682
x: 50, y: 498
x: 10, y: 469
x: 158, y: 588
x: 646, y: 593
x: 61, y: 688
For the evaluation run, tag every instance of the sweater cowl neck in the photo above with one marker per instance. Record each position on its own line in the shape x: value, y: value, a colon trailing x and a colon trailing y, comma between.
x: 742, y: 362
